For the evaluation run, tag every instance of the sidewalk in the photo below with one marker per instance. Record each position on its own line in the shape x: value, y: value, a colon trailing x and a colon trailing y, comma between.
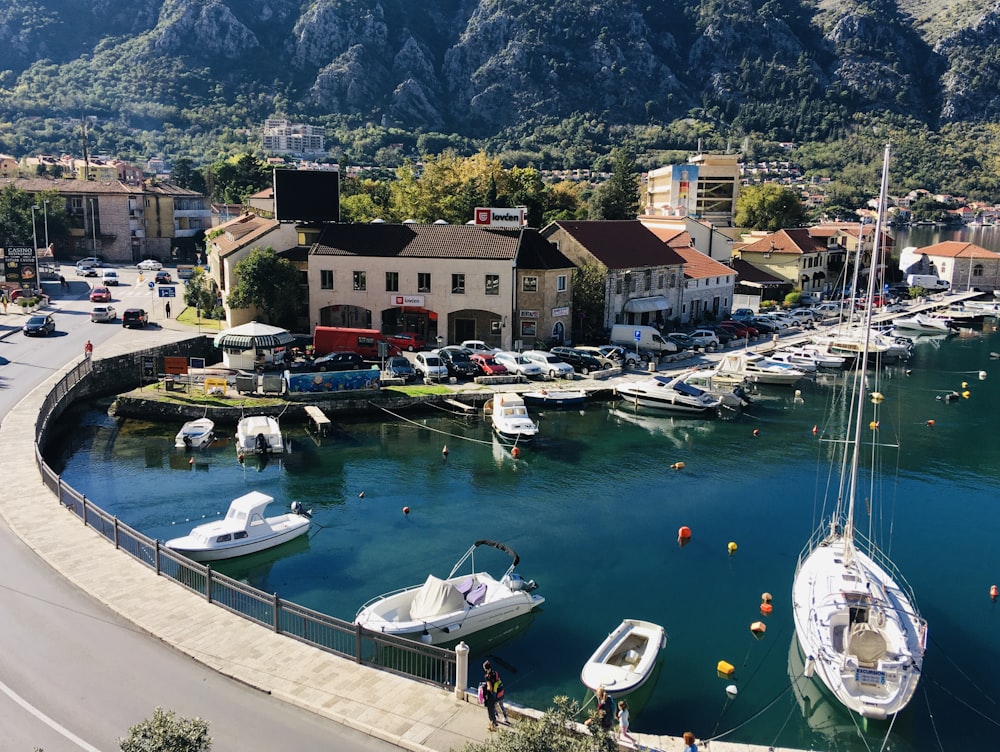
x: 406, y: 713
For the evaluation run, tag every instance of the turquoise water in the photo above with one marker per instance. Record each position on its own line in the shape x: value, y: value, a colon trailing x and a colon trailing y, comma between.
x: 593, y: 510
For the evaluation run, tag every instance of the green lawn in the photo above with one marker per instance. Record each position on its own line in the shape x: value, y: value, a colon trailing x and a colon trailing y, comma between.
x: 189, y: 317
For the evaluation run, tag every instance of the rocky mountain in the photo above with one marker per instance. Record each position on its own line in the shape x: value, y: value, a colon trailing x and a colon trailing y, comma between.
x: 785, y: 69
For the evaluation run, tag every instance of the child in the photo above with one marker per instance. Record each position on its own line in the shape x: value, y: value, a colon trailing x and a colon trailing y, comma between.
x: 622, y: 716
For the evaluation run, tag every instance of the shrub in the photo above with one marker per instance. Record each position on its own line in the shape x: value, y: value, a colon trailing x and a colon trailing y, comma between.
x: 555, y: 731
x: 166, y: 732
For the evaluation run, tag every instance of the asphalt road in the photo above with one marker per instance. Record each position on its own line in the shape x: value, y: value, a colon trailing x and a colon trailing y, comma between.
x: 73, y: 675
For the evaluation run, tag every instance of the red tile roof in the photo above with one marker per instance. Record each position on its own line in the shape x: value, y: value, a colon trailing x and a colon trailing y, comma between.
x: 621, y: 244
x: 699, y: 266
x: 797, y: 241
x: 957, y: 249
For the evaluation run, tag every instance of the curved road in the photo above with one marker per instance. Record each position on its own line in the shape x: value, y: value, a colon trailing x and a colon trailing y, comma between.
x: 75, y: 676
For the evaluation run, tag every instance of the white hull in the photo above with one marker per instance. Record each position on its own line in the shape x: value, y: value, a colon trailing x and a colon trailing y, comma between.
x: 510, y: 419
x: 555, y: 398
x: 200, y: 553
x: 754, y: 368
x: 671, y: 395
x: 625, y: 659
x: 249, y: 429
x: 871, y: 666
x: 925, y: 324
x: 195, y: 434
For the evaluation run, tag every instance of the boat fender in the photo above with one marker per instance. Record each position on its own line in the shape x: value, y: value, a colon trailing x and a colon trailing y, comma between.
x: 758, y: 628
x: 756, y: 432
x: 766, y: 598
x: 677, y: 466
x: 731, y: 691
x: 930, y: 423
x: 766, y: 609
x: 982, y: 375
x: 994, y: 592
x: 725, y: 668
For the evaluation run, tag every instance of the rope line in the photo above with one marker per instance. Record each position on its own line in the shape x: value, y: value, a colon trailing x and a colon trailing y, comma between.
x: 428, y: 428
x: 930, y: 714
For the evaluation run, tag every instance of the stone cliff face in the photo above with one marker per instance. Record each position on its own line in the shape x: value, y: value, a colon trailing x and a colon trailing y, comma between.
x: 481, y: 66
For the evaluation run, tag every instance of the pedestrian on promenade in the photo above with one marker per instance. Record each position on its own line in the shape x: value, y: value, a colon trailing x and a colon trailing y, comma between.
x: 4, y: 303
x: 487, y: 698
x: 167, y: 309
x: 492, y: 678
x: 623, y: 722
x: 689, y: 745
x: 605, y: 710
x: 88, y: 350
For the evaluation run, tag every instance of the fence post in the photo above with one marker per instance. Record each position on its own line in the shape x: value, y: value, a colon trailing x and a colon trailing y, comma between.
x: 276, y: 604
x: 461, y: 670
x: 208, y: 583
x: 357, y: 642
x: 116, y: 531
x: 156, y: 557
x: 83, y: 511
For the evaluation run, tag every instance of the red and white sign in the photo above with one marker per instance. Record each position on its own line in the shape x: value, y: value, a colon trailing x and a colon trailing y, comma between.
x: 407, y: 300
x: 502, y: 218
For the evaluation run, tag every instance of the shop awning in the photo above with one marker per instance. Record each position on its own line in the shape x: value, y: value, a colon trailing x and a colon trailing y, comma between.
x: 253, y: 336
x: 645, y: 305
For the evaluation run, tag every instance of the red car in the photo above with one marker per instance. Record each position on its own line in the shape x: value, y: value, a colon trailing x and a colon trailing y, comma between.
x: 409, y: 341
x: 739, y: 329
x: 100, y: 295
x: 486, y: 365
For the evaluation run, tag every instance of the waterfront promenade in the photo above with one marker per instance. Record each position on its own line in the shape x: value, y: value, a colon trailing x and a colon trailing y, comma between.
x: 403, y: 712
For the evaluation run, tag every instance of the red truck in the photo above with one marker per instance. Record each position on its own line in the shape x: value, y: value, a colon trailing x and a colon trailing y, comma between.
x: 365, y: 342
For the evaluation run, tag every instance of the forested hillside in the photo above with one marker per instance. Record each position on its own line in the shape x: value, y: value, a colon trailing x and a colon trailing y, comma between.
x: 553, y: 84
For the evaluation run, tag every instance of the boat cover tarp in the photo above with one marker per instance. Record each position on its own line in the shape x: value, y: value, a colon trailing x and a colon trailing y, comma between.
x: 435, y: 597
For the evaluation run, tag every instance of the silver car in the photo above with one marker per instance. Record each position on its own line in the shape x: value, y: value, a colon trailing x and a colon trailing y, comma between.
x: 517, y: 363
x: 103, y: 312
x: 550, y: 364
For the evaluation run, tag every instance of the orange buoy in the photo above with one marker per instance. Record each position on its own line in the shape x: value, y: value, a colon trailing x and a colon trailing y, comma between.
x: 406, y: 510
x: 732, y: 547
x: 756, y: 432
x: 930, y: 423
x: 758, y: 628
x: 515, y: 453
x: 684, y: 533
x: 815, y: 430
x: 994, y: 592
x: 873, y: 425
x: 766, y: 609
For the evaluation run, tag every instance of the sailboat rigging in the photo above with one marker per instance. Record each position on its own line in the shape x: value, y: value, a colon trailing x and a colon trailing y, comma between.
x: 856, y: 619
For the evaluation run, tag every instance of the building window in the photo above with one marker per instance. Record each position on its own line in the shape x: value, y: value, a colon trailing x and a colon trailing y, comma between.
x: 423, y: 282
x: 529, y: 328
x: 360, y: 281
x: 561, y: 283
x: 618, y: 286
x: 647, y: 280
x: 977, y: 270
x: 659, y: 282
x: 673, y: 280
x: 458, y: 284
x: 492, y: 284
x: 392, y: 281
x: 529, y: 284
x: 326, y: 279
x: 633, y: 283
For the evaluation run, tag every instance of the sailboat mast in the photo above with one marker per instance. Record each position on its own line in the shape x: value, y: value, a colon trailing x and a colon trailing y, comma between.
x: 862, y: 393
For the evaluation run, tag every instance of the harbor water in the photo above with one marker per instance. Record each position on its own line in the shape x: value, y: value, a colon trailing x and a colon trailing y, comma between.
x: 593, y: 509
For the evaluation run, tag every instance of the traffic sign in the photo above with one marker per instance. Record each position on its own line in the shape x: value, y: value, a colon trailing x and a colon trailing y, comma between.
x: 637, y: 334
x: 151, y: 284
x: 167, y: 292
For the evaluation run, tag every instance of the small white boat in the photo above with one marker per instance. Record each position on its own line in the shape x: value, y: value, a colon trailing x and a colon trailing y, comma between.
x: 821, y: 355
x: 258, y: 434
x: 244, y: 530
x: 447, y: 610
x: 195, y: 434
x: 626, y: 658
x: 555, y: 397
x: 673, y: 395
x: 921, y: 322
x: 754, y: 367
x: 511, y: 420
x: 794, y: 360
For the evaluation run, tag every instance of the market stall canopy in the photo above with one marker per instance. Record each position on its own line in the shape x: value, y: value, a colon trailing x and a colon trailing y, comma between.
x: 253, y: 336
x: 645, y: 305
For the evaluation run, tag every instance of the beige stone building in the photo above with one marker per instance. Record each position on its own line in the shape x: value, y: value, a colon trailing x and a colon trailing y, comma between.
x: 706, y: 187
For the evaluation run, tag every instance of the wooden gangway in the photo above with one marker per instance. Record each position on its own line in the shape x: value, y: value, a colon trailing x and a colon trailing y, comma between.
x: 318, y: 419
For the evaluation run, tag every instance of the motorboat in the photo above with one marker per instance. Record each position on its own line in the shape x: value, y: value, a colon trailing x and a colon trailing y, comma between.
x: 755, y: 368
x: 195, y: 434
x: 822, y: 355
x: 450, y: 609
x: 921, y: 322
x: 732, y: 392
x: 856, y: 619
x: 625, y: 659
x: 555, y: 397
x: 258, y: 434
x: 244, y: 530
x: 805, y: 357
x: 794, y: 360
x: 852, y: 340
x: 510, y: 418
x: 671, y: 394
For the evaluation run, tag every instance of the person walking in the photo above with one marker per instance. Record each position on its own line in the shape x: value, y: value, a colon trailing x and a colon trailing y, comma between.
x: 605, y: 710
x: 492, y: 679
x: 88, y: 350
x: 489, y: 699
x: 167, y: 309
x: 623, y: 721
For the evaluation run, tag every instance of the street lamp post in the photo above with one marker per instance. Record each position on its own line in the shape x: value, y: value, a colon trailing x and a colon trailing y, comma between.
x: 34, y: 243
x: 45, y: 215
x: 93, y: 223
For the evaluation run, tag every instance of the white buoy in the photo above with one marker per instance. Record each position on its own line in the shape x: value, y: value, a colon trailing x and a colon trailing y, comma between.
x: 982, y: 375
x: 731, y: 691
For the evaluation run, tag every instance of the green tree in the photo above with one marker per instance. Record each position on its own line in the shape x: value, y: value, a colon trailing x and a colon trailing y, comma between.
x: 268, y: 283
x: 184, y: 175
x: 232, y: 180
x: 200, y: 293
x: 619, y: 197
x: 589, y: 283
x: 555, y: 731
x: 165, y: 731
x: 768, y: 206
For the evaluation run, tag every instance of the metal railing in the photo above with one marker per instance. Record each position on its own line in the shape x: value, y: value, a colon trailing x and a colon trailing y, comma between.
x: 426, y: 663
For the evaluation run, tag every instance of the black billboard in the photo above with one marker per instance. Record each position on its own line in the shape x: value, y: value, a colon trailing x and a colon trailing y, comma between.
x: 20, y: 267
x: 307, y: 195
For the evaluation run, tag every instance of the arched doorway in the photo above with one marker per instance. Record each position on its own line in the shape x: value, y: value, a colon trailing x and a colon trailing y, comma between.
x: 558, y: 333
x: 345, y: 315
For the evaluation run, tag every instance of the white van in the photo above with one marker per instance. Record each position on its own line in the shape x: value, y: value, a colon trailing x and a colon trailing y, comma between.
x: 648, y: 338
x: 927, y: 281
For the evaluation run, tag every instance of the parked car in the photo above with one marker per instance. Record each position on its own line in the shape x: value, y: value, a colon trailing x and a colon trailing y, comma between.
x: 595, y: 352
x: 135, y: 318
x: 149, y: 265
x: 398, y: 367
x: 477, y: 345
x: 86, y: 271
x: 458, y: 363
x: 163, y: 278
x: 581, y: 360
x: 40, y: 326
x: 344, y: 360
x: 626, y: 358
x: 89, y: 263
x: 517, y: 363
x: 409, y: 341
x: 682, y: 341
x: 487, y: 364
x: 103, y: 313
x: 100, y: 295
x: 22, y: 293
x: 764, y: 325
x: 704, y: 338
x: 430, y: 366
x: 828, y: 309
x: 742, y: 314
x: 550, y: 363
x: 741, y: 331
x: 109, y: 277
x: 725, y: 335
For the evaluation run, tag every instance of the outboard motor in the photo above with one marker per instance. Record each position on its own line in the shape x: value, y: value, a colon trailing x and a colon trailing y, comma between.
x: 298, y: 509
x: 260, y: 444
x: 517, y: 583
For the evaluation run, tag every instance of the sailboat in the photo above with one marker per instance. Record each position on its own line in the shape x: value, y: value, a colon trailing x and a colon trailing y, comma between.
x: 856, y: 619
